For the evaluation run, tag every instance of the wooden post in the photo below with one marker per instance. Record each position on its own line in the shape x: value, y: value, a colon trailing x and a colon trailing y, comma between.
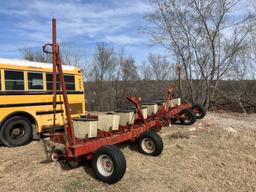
x: 179, y: 79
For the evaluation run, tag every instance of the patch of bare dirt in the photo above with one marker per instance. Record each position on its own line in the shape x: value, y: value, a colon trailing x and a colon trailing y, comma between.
x: 217, y: 153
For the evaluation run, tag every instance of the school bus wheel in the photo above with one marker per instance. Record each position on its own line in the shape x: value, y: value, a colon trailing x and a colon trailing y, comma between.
x: 16, y: 131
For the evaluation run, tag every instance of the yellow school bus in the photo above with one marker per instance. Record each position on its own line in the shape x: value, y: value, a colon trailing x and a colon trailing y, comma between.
x: 26, y: 101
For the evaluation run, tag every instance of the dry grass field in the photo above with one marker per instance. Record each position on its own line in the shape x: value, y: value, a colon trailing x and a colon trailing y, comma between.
x: 217, y: 153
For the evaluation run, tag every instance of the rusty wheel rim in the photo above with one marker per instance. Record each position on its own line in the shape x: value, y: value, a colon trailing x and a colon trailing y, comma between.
x: 148, y: 145
x: 105, y: 165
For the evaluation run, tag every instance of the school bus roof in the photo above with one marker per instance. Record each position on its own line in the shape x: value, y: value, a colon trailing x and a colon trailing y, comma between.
x: 32, y: 64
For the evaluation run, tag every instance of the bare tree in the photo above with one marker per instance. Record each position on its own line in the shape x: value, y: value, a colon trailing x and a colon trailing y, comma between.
x: 235, y: 88
x: 127, y: 74
x: 104, y: 63
x: 103, y: 71
x: 158, y: 68
x: 195, y: 31
x: 128, y: 69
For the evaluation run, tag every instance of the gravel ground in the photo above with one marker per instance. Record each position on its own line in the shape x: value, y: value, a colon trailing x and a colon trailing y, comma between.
x: 217, y: 153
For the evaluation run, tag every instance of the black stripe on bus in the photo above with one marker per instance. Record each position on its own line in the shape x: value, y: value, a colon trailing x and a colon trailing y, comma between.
x: 27, y: 104
x: 36, y: 93
x: 48, y: 112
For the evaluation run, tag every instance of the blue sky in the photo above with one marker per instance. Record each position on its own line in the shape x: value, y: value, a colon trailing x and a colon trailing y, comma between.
x: 81, y: 24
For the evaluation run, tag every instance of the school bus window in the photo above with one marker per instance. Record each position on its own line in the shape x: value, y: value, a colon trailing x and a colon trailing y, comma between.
x: 49, y: 82
x: 35, y: 81
x: 14, y: 80
x: 70, y: 82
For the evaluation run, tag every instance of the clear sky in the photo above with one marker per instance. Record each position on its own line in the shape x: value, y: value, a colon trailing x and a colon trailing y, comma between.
x: 81, y: 23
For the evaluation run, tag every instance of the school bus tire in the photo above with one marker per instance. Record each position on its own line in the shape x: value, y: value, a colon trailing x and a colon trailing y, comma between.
x: 16, y: 131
